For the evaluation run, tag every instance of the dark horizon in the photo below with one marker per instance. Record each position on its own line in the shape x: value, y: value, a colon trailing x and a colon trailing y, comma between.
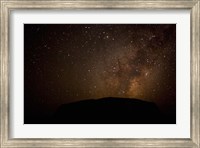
x: 66, y: 63
x: 109, y: 110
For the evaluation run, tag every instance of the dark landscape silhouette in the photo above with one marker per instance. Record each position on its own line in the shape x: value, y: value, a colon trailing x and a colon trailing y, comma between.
x: 110, y: 111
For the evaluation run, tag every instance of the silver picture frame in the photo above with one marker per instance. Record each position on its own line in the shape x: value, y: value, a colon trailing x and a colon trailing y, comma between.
x: 7, y: 6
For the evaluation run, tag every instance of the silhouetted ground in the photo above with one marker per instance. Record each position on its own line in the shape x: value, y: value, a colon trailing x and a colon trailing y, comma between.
x: 105, y: 111
x: 110, y: 111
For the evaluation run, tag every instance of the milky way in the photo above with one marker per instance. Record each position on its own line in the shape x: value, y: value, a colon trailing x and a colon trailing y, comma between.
x: 71, y: 62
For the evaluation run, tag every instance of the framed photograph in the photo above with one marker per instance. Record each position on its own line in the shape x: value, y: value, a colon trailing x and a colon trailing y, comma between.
x: 100, y: 73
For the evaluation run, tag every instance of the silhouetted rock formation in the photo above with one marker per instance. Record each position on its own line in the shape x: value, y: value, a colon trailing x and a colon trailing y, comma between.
x: 109, y: 111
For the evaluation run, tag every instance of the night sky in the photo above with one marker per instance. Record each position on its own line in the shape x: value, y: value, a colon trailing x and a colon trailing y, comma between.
x: 70, y: 62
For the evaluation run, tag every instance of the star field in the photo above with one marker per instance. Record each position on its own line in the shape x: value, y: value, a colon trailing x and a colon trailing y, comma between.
x: 70, y: 62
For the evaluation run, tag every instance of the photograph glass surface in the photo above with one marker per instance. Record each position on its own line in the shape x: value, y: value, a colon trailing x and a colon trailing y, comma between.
x: 100, y: 73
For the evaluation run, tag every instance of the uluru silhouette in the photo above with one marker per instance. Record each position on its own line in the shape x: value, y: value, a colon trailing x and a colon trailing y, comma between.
x: 109, y: 111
